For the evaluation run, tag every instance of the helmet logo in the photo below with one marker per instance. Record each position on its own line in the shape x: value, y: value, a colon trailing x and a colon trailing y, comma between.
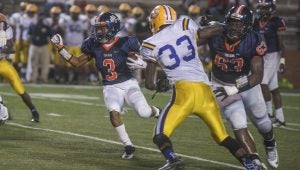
x: 113, y: 19
x: 236, y: 16
x: 154, y: 13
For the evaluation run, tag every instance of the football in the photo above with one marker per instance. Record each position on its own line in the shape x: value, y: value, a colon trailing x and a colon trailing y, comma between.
x: 133, y: 55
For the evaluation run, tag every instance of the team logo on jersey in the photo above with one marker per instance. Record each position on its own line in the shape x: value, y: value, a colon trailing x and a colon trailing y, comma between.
x: 261, y: 48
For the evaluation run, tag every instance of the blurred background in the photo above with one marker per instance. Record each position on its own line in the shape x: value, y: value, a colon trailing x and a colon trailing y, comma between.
x: 72, y: 19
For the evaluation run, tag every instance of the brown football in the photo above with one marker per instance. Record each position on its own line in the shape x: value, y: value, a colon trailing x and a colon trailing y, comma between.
x: 132, y: 55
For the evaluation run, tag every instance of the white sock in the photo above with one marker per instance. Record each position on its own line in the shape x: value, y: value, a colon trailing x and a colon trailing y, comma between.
x: 123, y: 135
x: 269, y: 107
x: 279, y: 114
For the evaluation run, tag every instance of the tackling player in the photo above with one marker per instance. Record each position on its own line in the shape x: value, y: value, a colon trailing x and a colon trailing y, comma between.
x: 110, y: 53
x: 237, y: 71
x: 173, y: 46
x: 269, y: 26
x: 7, y: 71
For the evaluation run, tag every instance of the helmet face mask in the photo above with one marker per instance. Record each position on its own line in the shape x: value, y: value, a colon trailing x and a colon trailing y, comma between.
x: 238, y: 22
x: 105, y: 27
x: 265, y: 8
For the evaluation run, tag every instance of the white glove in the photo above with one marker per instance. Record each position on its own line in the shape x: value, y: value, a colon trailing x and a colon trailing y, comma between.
x: 3, y: 38
x: 225, y: 91
x: 57, y: 41
x: 139, y: 63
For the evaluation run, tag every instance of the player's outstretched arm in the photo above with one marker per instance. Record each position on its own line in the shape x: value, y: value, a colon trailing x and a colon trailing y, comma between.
x: 207, y: 32
x: 57, y: 41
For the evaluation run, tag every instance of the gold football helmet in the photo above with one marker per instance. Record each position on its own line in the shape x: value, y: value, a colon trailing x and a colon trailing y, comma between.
x: 55, y: 10
x: 194, y: 10
x: 103, y: 8
x: 137, y: 11
x: 124, y: 7
x: 3, y: 18
x: 75, y: 9
x: 32, y: 8
x: 90, y: 8
x: 161, y: 15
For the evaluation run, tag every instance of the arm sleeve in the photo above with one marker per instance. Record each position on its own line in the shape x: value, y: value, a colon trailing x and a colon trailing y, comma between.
x: 147, y: 52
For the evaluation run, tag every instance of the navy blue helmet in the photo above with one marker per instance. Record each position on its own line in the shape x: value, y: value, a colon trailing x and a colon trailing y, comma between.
x: 105, y: 27
x: 265, y: 8
x: 238, y: 22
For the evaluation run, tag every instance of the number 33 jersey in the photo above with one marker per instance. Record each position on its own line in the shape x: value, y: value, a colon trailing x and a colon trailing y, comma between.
x: 230, y: 61
x: 175, y: 49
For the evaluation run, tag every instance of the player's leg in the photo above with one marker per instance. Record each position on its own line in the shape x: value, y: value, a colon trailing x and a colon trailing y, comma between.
x: 176, y: 111
x: 274, y: 88
x: 45, y: 59
x: 13, y: 78
x: 136, y: 99
x: 255, y: 106
x: 208, y: 111
x: 114, y: 100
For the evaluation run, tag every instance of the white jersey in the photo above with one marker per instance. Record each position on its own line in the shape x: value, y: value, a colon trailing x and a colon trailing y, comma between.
x: 9, y: 35
x: 74, y: 31
x: 18, y: 20
x: 175, y: 49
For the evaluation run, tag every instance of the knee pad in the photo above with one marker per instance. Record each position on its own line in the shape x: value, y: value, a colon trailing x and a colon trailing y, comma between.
x: 162, y: 141
x: 264, y: 124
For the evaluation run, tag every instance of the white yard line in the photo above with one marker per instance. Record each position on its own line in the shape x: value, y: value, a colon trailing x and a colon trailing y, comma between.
x: 118, y: 143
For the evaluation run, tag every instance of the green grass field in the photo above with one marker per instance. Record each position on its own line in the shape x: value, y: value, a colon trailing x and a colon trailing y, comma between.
x: 75, y: 133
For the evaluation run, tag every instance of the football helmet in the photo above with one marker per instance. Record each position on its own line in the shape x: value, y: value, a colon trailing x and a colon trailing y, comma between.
x: 55, y: 10
x: 31, y: 8
x: 75, y: 9
x: 102, y: 8
x: 124, y: 7
x: 194, y: 10
x: 265, y: 8
x: 138, y: 12
x: 90, y: 8
x: 161, y: 15
x: 238, y: 22
x: 23, y: 6
x: 105, y: 27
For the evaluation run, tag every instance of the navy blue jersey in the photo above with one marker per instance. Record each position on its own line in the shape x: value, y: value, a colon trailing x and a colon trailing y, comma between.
x: 233, y: 61
x: 110, y: 59
x: 269, y: 32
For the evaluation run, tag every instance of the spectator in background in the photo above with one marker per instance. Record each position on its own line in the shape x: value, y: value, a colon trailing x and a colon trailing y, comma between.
x: 39, y: 53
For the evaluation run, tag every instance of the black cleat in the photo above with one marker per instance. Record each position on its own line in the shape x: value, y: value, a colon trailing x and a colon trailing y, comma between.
x: 128, y: 152
x: 35, y: 116
x: 175, y: 164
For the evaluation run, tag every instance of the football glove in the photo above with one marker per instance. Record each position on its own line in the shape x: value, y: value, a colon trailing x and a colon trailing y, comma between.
x: 3, y: 38
x: 162, y: 85
x: 282, y: 65
x: 138, y: 63
x: 225, y: 91
x: 57, y: 41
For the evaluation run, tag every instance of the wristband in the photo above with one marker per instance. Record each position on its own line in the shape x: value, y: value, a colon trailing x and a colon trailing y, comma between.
x: 63, y: 52
x: 242, y: 84
x: 282, y: 60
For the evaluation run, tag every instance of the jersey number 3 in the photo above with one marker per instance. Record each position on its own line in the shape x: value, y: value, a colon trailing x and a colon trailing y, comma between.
x: 110, y: 64
x: 174, y: 56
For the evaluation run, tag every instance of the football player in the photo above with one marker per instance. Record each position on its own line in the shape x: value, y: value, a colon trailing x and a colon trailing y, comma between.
x: 237, y: 71
x: 269, y: 26
x: 7, y: 71
x: 173, y: 47
x: 4, y: 115
x: 110, y: 53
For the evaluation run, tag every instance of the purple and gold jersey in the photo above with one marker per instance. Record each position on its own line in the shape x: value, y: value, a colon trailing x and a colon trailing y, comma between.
x: 110, y: 59
x: 269, y: 30
x: 232, y: 61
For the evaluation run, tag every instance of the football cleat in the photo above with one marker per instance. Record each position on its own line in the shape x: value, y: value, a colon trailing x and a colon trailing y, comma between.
x: 278, y: 123
x: 128, y: 152
x: 3, y: 114
x: 35, y: 116
x: 271, y: 153
x: 174, y: 164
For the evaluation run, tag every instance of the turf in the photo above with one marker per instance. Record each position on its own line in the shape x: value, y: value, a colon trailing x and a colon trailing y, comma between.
x: 82, y: 137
